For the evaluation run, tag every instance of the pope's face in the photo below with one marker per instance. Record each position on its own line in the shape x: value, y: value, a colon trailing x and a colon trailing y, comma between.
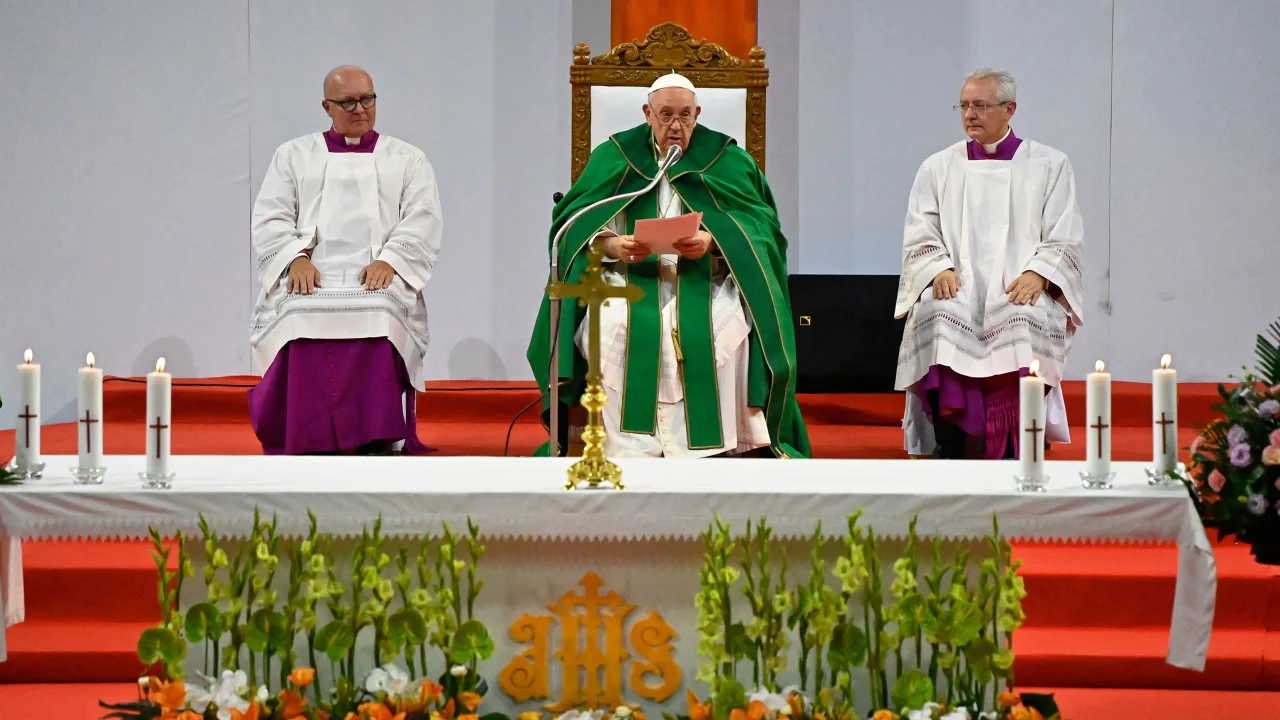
x: 985, y: 120
x: 347, y: 87
x: 671, y: 113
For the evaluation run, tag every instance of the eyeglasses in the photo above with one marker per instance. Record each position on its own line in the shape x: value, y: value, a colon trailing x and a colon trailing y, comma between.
x: 977, y: 107
x: 350, y: 105
x: 667, y: 118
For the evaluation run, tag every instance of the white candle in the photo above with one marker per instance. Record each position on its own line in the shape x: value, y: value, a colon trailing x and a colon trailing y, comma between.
x: 1164, y: 415
x: 159, y: 394
x: 1097, y: 460
x: 89, y: 415
x: 1031, y: 425
x: 27, y: 448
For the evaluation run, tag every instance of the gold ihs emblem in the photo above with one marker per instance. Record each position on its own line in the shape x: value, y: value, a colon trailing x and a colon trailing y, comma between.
x: 592, y: 652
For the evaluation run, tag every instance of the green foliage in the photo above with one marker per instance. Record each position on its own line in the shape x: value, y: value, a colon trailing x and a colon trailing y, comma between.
x: 410, y: 600
x: 937, y: 633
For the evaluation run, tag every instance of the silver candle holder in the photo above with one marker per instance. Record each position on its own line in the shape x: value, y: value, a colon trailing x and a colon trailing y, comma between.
x: 157, y: 481
x: 1168, y: 479
x: 88, y: 475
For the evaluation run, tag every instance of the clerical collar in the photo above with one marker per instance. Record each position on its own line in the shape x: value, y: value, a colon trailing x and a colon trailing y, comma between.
x: 1003, y: 149
x: 338, y: 143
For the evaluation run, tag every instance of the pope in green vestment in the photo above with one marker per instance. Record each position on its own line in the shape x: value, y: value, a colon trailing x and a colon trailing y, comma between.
x: 679, y: 340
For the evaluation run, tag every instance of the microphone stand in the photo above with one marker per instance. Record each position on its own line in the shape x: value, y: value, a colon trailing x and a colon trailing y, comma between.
x: 553, y: 379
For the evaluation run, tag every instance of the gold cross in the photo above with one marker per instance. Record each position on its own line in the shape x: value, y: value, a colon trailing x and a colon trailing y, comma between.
x: 594, y: 468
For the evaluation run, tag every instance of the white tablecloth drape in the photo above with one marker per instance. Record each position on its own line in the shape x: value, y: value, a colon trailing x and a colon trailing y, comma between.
x: 521, y: 498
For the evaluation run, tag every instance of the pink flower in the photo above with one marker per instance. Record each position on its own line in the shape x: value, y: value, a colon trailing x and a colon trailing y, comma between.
x: 1271, y: 455
x: 1217, y: 481
x: 1275, y: 437
x: 1195, y: 444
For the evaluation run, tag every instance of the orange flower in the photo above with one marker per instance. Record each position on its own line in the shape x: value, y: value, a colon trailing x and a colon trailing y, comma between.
x: 302, y: 677
x: 885, y: 715
x: 431, y: 691
x: 757, y: 710
x: 468, y: 717
x: 797, y: 706
x: 530, y: 715
x: 251, y: 715
x: 738, y: 714
x: 470, y: 701
x: 639, y: 715
x: 189, y: 715
x: 448, y: 710
x: 1009, y: 699
x: 1035, y: 714
x: 375, y: 711
x: 1020, y: 713
x: 292, y: 705
x: 697, y: 710
x: 171, y: 696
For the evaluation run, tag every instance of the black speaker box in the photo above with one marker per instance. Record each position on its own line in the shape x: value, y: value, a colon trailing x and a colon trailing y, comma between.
x: 846, y: 338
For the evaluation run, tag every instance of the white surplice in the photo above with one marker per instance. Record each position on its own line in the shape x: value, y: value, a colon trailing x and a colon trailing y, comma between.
x: 743, y: 428
x: 991, y: 220
x: 349, y: 209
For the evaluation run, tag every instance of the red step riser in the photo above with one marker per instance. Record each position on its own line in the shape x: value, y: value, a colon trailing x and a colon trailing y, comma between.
x: 100, y: 667
x: 1136, y: 672
x: 1125, y: 602
x: 123, y: 595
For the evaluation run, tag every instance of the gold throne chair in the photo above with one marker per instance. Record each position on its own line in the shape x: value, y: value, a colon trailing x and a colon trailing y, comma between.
x: 609, y: 89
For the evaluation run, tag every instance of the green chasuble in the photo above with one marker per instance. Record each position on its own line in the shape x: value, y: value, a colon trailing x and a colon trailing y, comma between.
x: 720, y: 180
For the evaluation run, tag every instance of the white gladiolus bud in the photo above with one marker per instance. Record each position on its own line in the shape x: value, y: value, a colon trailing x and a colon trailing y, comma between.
x: 458, y: 670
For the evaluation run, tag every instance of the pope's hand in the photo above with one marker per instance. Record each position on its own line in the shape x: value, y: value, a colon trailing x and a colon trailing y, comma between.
x: 945, y: 285
x: 1026, y: 289
x: 624, y: 248
x: 694, y: 247
x: 304, y: 278
x: 377, y: 276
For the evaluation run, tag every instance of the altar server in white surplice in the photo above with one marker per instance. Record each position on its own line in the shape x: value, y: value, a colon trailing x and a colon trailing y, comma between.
x: 345, y: 235
x: 992, y: 264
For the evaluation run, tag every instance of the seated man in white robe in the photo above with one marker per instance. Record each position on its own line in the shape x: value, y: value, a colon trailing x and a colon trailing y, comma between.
x: 346, y: 230
x: 992, y: 265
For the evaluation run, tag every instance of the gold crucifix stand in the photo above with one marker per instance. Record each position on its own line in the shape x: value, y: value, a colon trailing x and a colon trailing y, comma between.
x: 594, y: 468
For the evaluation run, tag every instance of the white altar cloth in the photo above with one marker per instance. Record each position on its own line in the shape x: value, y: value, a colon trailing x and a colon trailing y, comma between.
x: 522, y: 498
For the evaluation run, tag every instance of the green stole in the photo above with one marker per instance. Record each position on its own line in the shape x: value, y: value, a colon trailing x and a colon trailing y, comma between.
x: 720, y: 180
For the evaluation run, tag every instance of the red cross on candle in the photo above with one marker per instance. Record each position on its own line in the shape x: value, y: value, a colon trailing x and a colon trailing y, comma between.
x: 88, y: 435
x: 1164, y: 424
x: 1099, y: 426
x: 28, y: 416
x: 1035, y: 431
x: 158, y: 427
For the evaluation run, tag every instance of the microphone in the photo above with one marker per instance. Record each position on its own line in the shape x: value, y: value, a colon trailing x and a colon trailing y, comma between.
x: 673, y: 154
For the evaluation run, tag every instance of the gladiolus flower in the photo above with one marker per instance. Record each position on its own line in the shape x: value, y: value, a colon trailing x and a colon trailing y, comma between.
x: 302, y: 677
x: 458, y: 670
x: 796, y: 705
x: 738, y: 714
x: 250, y: 714
x: 885, y: 715
x: 1009, y: 699
x: 757, y: 710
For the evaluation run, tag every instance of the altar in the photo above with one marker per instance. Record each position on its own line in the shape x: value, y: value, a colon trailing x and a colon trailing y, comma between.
x: 639, y: 546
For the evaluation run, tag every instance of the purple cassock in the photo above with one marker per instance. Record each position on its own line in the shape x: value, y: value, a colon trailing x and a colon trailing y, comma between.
x: 336, y: 396
x: 977, y: 406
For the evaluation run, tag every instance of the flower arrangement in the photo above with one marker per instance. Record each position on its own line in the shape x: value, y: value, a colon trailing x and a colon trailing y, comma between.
x: 934, y: 645
x: 414, y: 605
x: 1235, y: 470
